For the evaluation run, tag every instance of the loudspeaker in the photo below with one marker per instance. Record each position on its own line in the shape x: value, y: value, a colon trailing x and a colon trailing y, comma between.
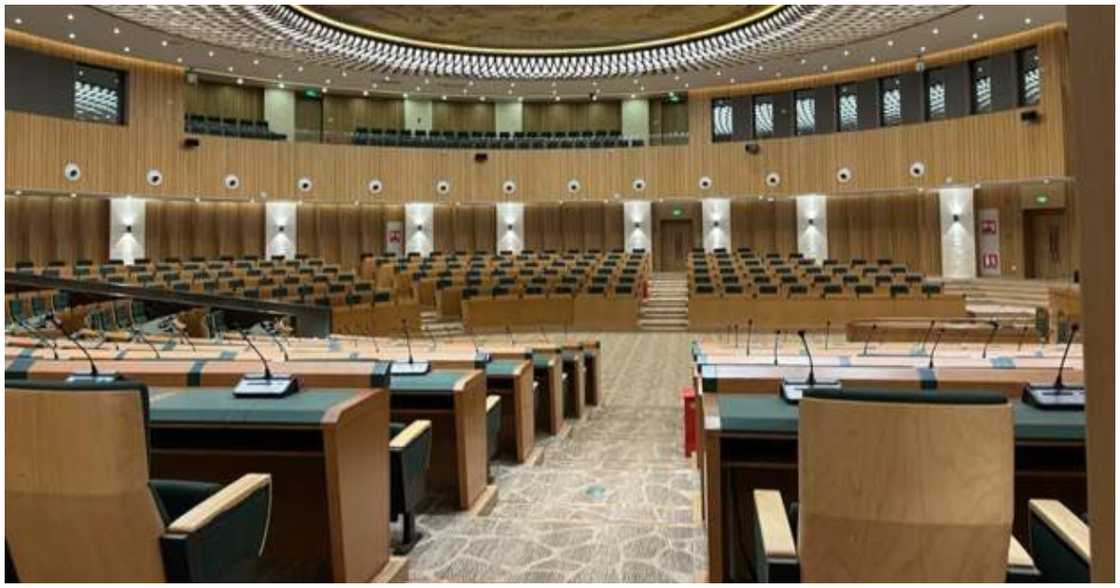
x: 480, y: 157
x: 751, y: 148
x: 190, y: 143
x: 1029, y: 116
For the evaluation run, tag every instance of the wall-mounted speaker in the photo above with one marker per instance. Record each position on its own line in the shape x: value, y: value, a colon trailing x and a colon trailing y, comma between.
x: 190, y: 143
x: 1029, y: 116
x: 751, y: 148
x: 480, y: 157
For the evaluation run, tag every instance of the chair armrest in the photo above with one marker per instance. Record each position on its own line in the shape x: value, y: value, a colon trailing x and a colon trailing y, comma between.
x: 1020, y: 565
x: 492, y: 401
x: 1069, y: 528
x: 222, y: 537
x: 409, y: 434
x: 776, y: 552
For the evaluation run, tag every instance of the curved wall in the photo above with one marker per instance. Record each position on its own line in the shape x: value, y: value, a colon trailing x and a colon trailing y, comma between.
x: 115, y: 160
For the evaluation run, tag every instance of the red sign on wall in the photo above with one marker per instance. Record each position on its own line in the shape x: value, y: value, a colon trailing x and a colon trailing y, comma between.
x: 989, y: 227
x: 990, y: 260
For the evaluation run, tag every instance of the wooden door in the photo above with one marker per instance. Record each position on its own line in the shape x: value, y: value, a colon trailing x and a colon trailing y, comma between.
x: 1047, y: 258
x: 674, y: 244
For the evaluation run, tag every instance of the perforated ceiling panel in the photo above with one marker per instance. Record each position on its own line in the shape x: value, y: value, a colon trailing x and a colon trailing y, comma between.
x: 282, y: 32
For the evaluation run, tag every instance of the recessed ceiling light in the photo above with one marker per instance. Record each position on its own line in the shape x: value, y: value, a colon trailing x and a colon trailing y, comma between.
x: 778, y: 75
x: 594, y: 83
x: 163, y: 42
x: 19, y: 21
x: 256, y: 62
x: 719, y: 73
x: 374, y: 86
x: 936, y: 31
x: 890, y: 42
x: 760, y: 68
x: 643, y: 88
x: 230, y: 68
x: 325, y: 90
x: 520, y: 98
x: 872, y: 59
x: 405, y: 95
x: 69, y: 16
x: 824, y: 67
x: 732, y: 80
x: 594, y: 98
x: 557, y: 99
x: 279, y: 76
x: 444, y: 97
x: 509, y: 91
x: 300, y: 68
x: 512, y: 84
x: 686, y: 84
x: 804, y: 61
x: 386, y: 78
x: 980, y: 16
x: 922, y: 49
x: 427, y: 81
x: 281, y: 85
x: 417, y: 88
x: 73, y: 195
x: 210, y: 53
x: 632, y: 96
x: 197, y: 199
x: 975, y: 36
x: 328, y: 81
x: 482, y: 98
x: 847, y: 53
x: 178, y: 60
x: 1027, y: 20
x: 240, y: 81
x: 72, y: 36
x: 116, y: 30
x: 677, y: 78
x: 343, y: 74
x: 470, y: 82
x: 127, y: 49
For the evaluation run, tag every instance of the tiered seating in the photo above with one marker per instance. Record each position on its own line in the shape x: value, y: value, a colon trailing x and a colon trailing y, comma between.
x: 734, y: 287
x: 357, y: 306
x: 588, y: 289
x: 231, y: 127
x: 508, y: 140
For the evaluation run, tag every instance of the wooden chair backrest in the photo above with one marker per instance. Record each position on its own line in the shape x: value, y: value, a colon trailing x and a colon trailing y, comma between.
x: 904, y: 491
x: 78, y: 505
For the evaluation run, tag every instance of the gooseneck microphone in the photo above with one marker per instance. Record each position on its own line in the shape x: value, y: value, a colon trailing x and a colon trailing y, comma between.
x: 138, y: 334
x: 750, y: 331
x: 93, y: 376
x: 777, y: 335
x: 170, y: 324
x: 1058, y: 384
x: 264, y: 362
x: 1022, y: 338
x: 736, y: 335
x: 870, y: 336
x: 805, y: 345
x: 38, y: 335
x: 269, y: 330
x: 267, y: 385
x: 940, y: 332
x: 510, y: 333
x: 991, y: 337
x: 925, y: 337
x: 413, y: 367
x: 827, y: 331
x: 792, y: 390
x: 1058, y: 396
x: 407, y: 339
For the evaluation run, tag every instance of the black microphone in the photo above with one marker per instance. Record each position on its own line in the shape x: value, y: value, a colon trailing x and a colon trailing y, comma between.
x: 39, y: 335
x: 1057, y: 396
x: 267, y: 385
x: 792, y: 391
x: 777, y: 334
x: 991, y: 337
x: 93, y: 376
x: 173, y: 326
x: 827, y: 330
x: 750, y: 330
x: 1022, y: 338
x: 470, y: 333
x: 925, y: 337
x: 870, y: 336
x: 407, y: 339
x: 510, y: 333
x: 544, y: 336
x: 812, y: 379
x: 137, y: 333
x: 268, y: 329
x: 413, y: 367
x: 940, y: 332
x: 736, y: 335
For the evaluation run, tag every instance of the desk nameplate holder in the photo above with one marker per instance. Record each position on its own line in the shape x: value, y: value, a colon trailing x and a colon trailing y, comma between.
x: 1050, y: 397
x: 409, y: 368
x: 93, y: 378
x: 266, y: 386
x: 793, y: 391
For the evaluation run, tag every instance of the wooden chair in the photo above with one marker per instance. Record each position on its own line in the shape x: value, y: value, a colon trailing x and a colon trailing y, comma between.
x: 81, y: 508
x: 1059, y: 541
x: 897, y: 487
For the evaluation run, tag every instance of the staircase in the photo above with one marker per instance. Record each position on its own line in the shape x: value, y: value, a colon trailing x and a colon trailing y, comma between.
x: 432, y: 326
x: 666, y: 308
x: 1001, y: 299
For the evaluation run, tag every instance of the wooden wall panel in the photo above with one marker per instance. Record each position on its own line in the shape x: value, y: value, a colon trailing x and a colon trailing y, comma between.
x: 572, y: 116
x: 485, y: 228
x: 343, y: 114
x: 463, y: 116
x: 903, y: 227
x: 224, y: 100
x: 42, y: 229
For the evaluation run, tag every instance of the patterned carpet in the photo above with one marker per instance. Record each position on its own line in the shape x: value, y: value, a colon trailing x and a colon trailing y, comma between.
x: 615, y: 501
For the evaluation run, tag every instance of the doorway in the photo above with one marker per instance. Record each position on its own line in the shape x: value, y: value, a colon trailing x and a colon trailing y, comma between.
x: 674, y: 244
x: 1045, y: 246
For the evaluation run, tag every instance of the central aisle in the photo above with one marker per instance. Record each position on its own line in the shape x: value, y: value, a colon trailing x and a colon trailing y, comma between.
x: 615, y: 501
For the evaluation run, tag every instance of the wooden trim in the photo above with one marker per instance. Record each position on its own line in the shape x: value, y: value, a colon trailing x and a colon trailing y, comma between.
x: 1017, y: 556
x: 492, y: 401
x: 777, y: 537
x: 1071, y: 529
x: 410, y: 433
x: 223, y: 500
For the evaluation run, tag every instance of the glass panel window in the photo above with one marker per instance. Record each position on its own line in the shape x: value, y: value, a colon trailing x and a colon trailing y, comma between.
x: 763, y: 117
x: 1030, y: 77
x: 806, y: 112
x: 981, y: 86
x: 935, y: 94
x: 98, y: 94
x: 848, y: 110
x: 723, y: 124
x: 890, y: 94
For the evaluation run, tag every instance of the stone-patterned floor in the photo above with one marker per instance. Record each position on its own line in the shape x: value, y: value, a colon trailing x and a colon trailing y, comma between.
x: 615, y: 501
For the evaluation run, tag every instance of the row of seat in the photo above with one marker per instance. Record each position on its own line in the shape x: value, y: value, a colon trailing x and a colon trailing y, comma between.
x: 230, y: 127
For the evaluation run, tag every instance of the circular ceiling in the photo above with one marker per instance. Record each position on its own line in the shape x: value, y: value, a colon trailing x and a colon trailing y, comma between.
x: 529, y: 29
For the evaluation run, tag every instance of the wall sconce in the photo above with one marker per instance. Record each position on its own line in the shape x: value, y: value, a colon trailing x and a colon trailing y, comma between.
x: 509, y: 227
x: 956, y: 218
x: 280, y: 228
x: 810, y: 222
x: 128, y: 228
x: 715, y: 224
x: 419, y: 228
x: 637, y: 226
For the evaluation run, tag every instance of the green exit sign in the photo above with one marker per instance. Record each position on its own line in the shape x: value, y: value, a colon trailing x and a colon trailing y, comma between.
x: 310, y: 93
x: 678, y: 211
x: 1042, y: 198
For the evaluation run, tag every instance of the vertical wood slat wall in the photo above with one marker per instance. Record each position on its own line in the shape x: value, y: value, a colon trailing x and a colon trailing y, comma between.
x: 906, y: 228
x: 42, y: 229
x: 224, y: 101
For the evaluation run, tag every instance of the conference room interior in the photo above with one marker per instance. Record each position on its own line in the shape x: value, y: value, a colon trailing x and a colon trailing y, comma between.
x: 559, y: 293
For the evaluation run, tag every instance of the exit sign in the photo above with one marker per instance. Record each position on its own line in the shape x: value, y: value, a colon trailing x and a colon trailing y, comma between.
x: 1042, y: 198
x: 678, y: 211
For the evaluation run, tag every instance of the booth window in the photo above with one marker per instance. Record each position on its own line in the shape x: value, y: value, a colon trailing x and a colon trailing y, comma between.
x: 98, y: 94
x: 806, y: 112
x: 848, y: 109
x: 763, y: 117
x: 890, y: 95
x: 722, y: 120
x: 981, y: 72
x: 1030, y: 77
x: 935, y: 94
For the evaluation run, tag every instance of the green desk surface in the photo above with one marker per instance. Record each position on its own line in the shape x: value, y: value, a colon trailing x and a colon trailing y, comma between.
x: 442, y: 381
x: 503, y: 367
x: 570, y: 355
x: 756, y: 413
x: 540, y: 360
x: 218, y: 405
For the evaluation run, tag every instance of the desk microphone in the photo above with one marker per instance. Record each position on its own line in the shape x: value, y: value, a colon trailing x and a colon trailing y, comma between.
x: 544, y: 336
x: 510, y: 333
x: 170, y: 324
x: 792, y: 391
x: 1057, y: 396
x: 1022, y: 338
x: 777, y: 334
x: 267, y: 385
x: 991, y: 337
x: 39, y: 335
x: 413, y: 367
x: 474, y: 341
x: 93, y: 376
x: 736, y: 335
x: 269, y: 330
x: 870, y: 336
x: 940, y: 333
x: 137, y: 333
x: 750, y: 330
x: 925, y: 337
x: 827, y: 330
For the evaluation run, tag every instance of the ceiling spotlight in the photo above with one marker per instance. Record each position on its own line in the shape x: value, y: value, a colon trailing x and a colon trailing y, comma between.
x: 824, y: 67
x: 240, y: 81
x: 594, y: 97
x: 482, y: 98
x: 512, y: 84
x: 256, y: 62
x: 343, y: 74
x: 197, y: 199
x: 509, y: 91
x: 635, y: 81
x: 281, y: 86
x: 210, y: 53
x: 328, y: 80
x: 890, y: 42
x: 427, y: 81
x: 760, y: 68
x: 677, y: 78
x: 279, y: 76
x: 365, y: 92
x: 325, y: 89
x: 732, y: 81
x: 386, y: 78
x: 558, y: 98
x: 300, y: 68
x: 19, y: 21
x: 632, y: 96
x: 686, y: 85
x: 520, y: 98
x: 975, y: 36
x: 872, y: 59
x: 417, y: 88
x: 804, y: 61
x: 470, y: 82
x: 405, y: 96
x: 444, y: 97
x: 72, y: 36
x: 127, y: 49
x: 643, y: 88
x: 1027, y: 20
x: 163, y: 42
x: 847, y: 53
x: 719, y: 73
x: 374, y: 86
x: 73, y: 195
x: 936, y: 31
x: 922, y: 49
x: 230, y: 68
x: 69, y: 16
x: 980, y: 16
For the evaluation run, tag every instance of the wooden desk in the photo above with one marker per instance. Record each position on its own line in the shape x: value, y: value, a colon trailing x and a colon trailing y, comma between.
x: 779, y: 312
x: 326, y: 451
x: 575, y: 370
x: 593, y: 355
x: 954, y: 331
x: 548, y: 371
x: 455, y: 402
x: 513, y: 380
x: 751, y: 443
